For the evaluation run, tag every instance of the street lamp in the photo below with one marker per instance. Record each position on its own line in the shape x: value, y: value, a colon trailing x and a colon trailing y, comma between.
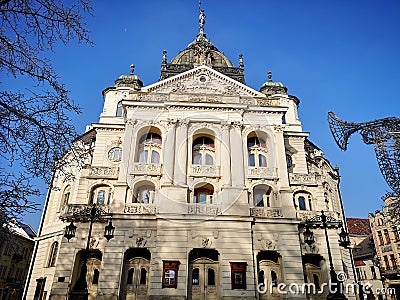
x: 80, y: 290
x: 325, y: 222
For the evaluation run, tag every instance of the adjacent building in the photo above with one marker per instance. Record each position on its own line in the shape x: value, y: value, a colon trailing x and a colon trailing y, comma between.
x: 365, y: 260
x: 208, y: 182
x: 387, y: 244
x: 15, y: 254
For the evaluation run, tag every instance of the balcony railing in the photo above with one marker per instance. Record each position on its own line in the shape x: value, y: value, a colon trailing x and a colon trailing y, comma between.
x: 204, y: 171
x: 307, y: 179
x: 141, y: 209
x: 261, y: 172
x: 147, y: 169
x: 203, y: 209
x: 266, y: 212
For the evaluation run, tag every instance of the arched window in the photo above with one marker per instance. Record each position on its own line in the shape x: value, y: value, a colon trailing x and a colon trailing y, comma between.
x: 129, y: 279
x: 120, y: 111
x: 257, y: 151
x: 274, y: 279
x: 204, y: 194
x: 316, y: 282
x: 302, y: 201
x: 66, y: 195
x: 52, y: 255
x: 261, y: 277
x: 101, y: 195
x: 96, y: 275
x: 143, y: 275
x: 144, y: 194
x: 203, y: 151
x: 289, y: 161
x: 262, y: 196
x: 195, y: 276
x: 150, y: 148
x: 211, y: 276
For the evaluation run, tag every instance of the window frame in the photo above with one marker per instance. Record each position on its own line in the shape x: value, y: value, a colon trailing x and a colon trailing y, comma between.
x: 168, y: 266
x: 238, y: 268
x: 51, y: 262
x: 256, y: 151
x: 204, y: 150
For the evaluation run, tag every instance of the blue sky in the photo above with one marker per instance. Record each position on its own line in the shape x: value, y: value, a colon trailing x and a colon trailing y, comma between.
x: 333, y: 55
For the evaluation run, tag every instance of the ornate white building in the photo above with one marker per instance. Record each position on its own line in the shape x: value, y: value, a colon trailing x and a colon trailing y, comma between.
x: 208, y: 182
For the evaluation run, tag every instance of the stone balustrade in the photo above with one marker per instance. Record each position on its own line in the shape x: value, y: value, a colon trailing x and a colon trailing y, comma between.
x: 203, y: 209
x: 103, y: 172
x: 140, y: 209
x: 204, y: 171
x: 147, y: 169
x: 266, y: 212
x: 305, y: 179
x: 261, y: 172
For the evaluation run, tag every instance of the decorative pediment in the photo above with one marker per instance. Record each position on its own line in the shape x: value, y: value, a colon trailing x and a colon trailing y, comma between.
x: 203, y: 81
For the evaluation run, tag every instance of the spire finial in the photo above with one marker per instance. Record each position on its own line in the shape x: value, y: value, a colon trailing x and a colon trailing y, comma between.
x: 241, y: 64
x: 164, y: 57
x: 132, y: 69
x: 269, y: 76
x: 202, y: 18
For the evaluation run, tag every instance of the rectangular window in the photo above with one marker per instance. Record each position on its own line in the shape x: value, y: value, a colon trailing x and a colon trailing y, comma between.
x: 170, y: 274
x: 238, y: 275
x: 39, y: 291
x: 252, y: 161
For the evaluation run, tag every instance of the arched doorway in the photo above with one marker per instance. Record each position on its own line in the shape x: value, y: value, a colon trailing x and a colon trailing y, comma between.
x: 93, y: 264
x: 269, y: 273
x: 135, y: 274
x: 314, y: 274
x: 203, y: 280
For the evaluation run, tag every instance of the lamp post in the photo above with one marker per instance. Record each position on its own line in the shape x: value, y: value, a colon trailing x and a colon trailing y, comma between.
x: 80, y: 289
x: 325, y: 222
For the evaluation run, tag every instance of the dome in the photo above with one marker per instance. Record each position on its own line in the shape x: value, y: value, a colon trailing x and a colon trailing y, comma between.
x: 130, y: 80
x: 202, y: 51
x: 272, y: 87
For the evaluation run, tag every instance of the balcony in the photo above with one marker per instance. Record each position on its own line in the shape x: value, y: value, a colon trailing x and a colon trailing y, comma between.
x: 140, y: 209
x: 305, y: 179
x: 204, y: 171
x: 261, y: 172
x: 103, y: 172
x: 203, y: 209
x: 266, y: 212
x: 147, y: 169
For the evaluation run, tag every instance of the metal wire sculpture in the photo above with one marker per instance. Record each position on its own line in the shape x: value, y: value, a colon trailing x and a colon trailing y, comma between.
x: 384, y: 134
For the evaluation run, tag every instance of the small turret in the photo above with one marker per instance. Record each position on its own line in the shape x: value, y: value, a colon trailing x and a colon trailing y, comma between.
x: 130, y: 80
x: 270, y: 87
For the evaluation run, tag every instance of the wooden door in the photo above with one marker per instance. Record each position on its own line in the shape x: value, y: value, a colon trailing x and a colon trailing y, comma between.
x: 136, y: 278
x: 203, y: 280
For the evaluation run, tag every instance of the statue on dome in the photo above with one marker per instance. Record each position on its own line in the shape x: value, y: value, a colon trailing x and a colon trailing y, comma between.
x: 202, y: 20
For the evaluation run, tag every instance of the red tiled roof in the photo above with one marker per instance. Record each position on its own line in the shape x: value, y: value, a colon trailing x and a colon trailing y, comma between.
x: 358, y: 226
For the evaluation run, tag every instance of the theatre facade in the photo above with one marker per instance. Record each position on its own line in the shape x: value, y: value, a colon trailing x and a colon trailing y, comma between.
x: 208, y: 183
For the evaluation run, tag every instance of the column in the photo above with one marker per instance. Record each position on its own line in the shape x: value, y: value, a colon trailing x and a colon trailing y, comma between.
x: 226, y: 154
x: 169, y: 152
x: 237, y: 162
x: 181, y: 144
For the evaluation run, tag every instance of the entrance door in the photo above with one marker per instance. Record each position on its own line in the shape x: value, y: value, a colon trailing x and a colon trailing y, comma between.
x: 313, y: 274
x: 269, y: 273
x: 136, y: 279
x: 203, y: 279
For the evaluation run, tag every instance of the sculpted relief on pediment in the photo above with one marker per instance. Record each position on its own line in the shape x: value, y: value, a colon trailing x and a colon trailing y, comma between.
x: 204, y: 81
